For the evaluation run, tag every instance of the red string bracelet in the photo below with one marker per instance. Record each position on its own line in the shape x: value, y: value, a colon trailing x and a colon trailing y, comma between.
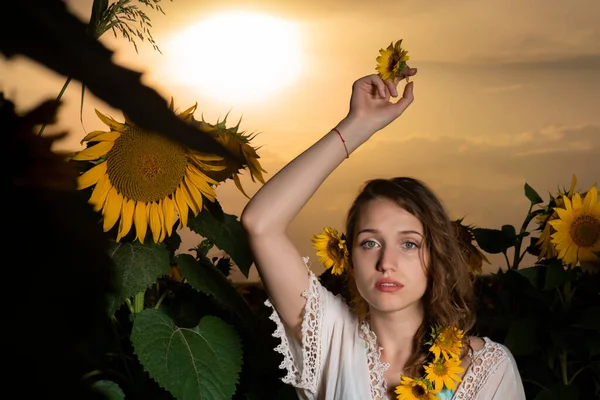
x: 343, y: 141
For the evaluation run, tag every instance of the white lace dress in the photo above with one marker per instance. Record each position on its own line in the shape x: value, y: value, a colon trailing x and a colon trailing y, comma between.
x: 339, y: 358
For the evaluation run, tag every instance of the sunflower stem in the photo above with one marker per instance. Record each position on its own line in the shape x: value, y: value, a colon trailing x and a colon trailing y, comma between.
x: 60, y: 95
x: 160, y: 300
x: 517, y: 256
x: 563, y: 367
x: 506, y: 258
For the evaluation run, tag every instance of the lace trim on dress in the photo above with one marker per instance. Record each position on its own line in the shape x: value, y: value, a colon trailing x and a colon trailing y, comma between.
x: 306, y: 378
x: 376, y: 367
x: 484, y: 364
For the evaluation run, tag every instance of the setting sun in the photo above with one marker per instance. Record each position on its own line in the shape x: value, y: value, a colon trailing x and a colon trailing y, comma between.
x: 236, y: 58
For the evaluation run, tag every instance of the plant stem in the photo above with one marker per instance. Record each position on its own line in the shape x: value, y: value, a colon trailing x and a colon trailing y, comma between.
x: 160, y: 300
x: 506, y: 258
x: 62, y: 91
x: 563, y: 367
x: 517, y: 257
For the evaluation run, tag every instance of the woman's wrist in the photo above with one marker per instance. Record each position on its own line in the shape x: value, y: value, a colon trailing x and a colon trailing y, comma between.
x: 353, y: 132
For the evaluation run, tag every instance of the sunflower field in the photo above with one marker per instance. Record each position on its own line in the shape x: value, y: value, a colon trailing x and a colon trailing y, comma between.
x: 105, y: 305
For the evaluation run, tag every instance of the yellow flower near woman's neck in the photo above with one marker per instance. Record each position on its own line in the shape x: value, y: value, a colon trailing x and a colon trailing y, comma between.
x: 414, y: 389
x: 143, y: 179
x: 447, y: 342
x: 444, y: 372
x: 331, y: 250
x: 392, y: 60
x: 577, y: 235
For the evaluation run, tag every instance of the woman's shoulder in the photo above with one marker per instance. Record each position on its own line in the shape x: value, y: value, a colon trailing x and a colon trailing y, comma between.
x: 485, y: 349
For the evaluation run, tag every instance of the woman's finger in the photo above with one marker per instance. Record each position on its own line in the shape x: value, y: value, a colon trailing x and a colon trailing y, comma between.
x: 406, y: 99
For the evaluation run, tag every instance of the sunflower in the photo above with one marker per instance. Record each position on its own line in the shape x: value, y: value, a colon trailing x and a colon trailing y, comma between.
x: 444, y: 372
x: 577, y: 235
x: 144, y: 179
x: 238, y: 144
x: 472, y: 255
x: 414, y: 389
x: 331, y: 249
x: 447, y: 342
x: 392, y: 60
x: 544, y: 242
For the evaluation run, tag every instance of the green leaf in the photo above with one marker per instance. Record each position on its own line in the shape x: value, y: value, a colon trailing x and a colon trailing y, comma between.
x: 521, y: 337
x: 227, y: 234
x: 137, y: 267
x: 532, y: 195
x: 556, y: 276
x: 109, y: 389
x: 533, y: 273
x: 492, y: 241
x: 509, y: 230
x: 198, y: 363
x: 206, y: 278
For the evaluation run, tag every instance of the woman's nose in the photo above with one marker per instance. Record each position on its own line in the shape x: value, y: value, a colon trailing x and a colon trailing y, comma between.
x: 387, y: 260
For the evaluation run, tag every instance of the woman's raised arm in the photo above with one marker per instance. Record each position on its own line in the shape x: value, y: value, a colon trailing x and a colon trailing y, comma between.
x: 268, y: 214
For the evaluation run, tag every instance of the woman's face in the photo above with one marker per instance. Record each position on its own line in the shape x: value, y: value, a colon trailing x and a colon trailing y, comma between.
x: 389, y: 256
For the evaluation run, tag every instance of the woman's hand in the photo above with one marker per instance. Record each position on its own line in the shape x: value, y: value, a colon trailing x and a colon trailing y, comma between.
x: 370, y: 105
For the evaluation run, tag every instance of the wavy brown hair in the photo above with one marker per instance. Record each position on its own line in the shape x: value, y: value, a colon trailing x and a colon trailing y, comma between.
x: 449, y: 297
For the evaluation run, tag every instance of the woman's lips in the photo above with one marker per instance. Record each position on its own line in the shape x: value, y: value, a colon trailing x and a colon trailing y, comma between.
x: 388, y: 285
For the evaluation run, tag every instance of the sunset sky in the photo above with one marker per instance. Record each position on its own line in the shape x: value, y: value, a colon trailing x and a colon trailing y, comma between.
x: 507, y: 92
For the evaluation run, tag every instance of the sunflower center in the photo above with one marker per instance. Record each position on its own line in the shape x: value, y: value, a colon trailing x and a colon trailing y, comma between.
x: 145, y: 166
x: 585, y: 230
x: 418, y: 391
x: 440, y: 369
x: 335, y: 249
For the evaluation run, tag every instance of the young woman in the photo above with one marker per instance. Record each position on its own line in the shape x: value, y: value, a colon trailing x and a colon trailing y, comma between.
x: 404, y: 266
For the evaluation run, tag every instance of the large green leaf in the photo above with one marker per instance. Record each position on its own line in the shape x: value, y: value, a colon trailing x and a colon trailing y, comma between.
x: 521, y: 337
x: 199, y: 363
x: 206, y: 278
x: 226, y: 232
x: 137, y: 267
x: 109, y: 389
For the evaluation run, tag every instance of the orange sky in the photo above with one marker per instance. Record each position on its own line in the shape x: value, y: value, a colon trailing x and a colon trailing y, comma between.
x: 507, y: 93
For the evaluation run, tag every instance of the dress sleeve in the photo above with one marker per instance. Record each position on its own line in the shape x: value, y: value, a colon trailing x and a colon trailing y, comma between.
x: 325, y: 317
x: 504, y: 383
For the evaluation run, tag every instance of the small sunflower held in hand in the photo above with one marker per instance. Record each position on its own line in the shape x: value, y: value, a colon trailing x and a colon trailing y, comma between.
x: 392, y: 61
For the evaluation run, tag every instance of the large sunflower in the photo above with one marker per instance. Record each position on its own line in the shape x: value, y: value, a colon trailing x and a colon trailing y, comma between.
x: 444, y: 372
x: 472, y: 255
x: 392, y: 60
x: 414, y: 389
x: 238, y: 144
x: 577, y: 235
x: 142, y: 178
x: 331, y: 249
x: 546, y: 247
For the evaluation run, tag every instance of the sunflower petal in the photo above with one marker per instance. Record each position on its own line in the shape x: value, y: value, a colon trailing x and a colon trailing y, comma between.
x: 140, y: 220
x: 154, y: 220
x: 126, y: 218
x: 238, y: 184
x: 169, y: 214
x: 182, y: 207
x: 185, y: 114
x: 577, y: 202
x: 591, y: 198
x: 101, y: 136
x: 93, y: 152
x: 194, y: 195
x: 100, y: 192
x: 114, y: 125
x: 112, y: 209
x: 91, y: 176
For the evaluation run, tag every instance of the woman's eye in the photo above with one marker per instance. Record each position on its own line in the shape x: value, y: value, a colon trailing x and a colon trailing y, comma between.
x: 410, y: 245
x: 369, y: 244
